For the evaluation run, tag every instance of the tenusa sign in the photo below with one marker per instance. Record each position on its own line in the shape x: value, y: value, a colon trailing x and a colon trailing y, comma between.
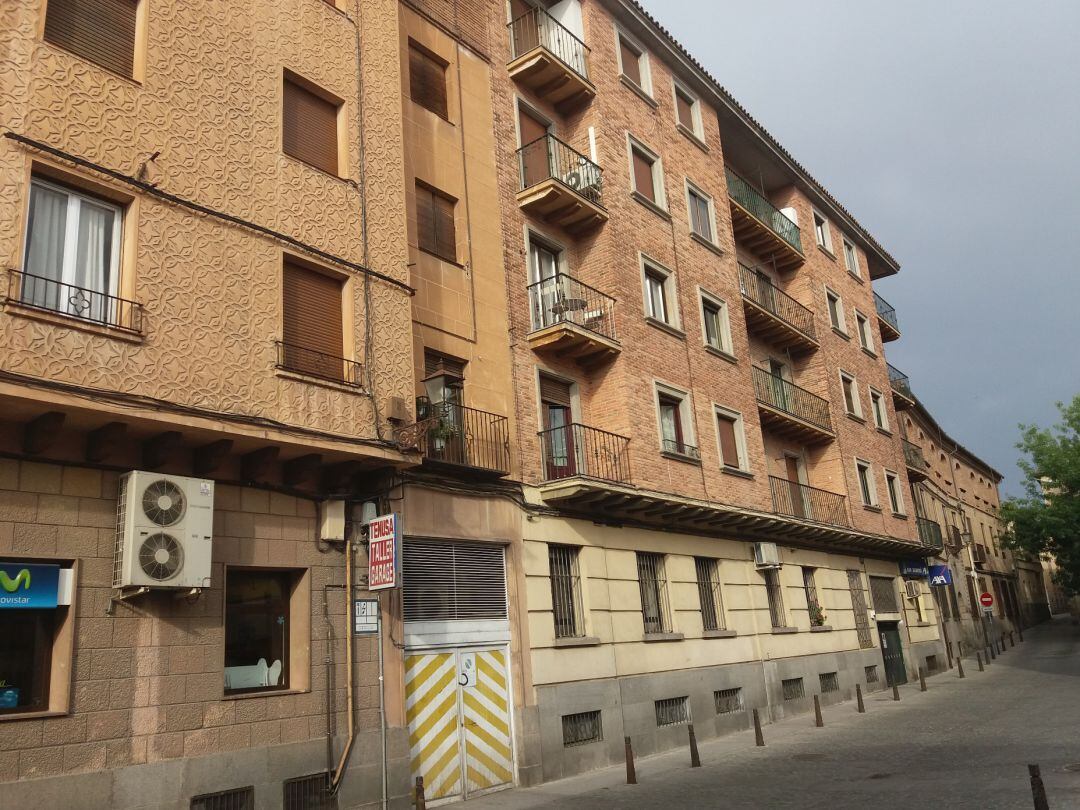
x: 384, y: 552
x: 986, y: 599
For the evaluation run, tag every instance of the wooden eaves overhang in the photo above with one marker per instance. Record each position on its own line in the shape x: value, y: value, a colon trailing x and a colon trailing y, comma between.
x: 605, y: 502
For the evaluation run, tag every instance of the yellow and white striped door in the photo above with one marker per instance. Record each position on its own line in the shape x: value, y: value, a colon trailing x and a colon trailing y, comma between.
x: 431, y: 708
x: 485, y: 703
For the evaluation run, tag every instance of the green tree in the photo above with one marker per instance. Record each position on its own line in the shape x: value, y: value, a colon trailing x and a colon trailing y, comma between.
x: 1047, y: 518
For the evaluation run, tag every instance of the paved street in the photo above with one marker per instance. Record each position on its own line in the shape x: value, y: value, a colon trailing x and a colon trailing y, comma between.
x: 961, y: 744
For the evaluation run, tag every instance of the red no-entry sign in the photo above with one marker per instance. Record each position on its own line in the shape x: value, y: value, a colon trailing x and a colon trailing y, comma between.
x: 986, y: 599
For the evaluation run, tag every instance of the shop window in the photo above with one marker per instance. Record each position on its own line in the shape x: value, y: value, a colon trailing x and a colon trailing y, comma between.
x: 259, y: 631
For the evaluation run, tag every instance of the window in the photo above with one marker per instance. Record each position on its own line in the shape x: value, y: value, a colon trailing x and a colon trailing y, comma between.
x: 870, y: 673
x: 858, y: 608
x: 672, y: 711
x: 101, y: 31
x: 880, y: 412
x: 821, y: 232
x: 775, y: 596
x: 674, y: 411
x: 883, y: 595
x: 427, y: 79
x: 72, y: 259
x: 836, y: 311
x: 566, y: 591
x: 688, y: 111
x: 634, y: 63
x: 866, y: 483
x: 581, y: 728
x: 851, y: 258
x: 715, y: 326
x: 652, y: 583
x: 852, y: 404
x: 448, y: 581
x: 866, y: 337
x: 257, y: 630
x: 647, y: 174
x: 25, y: 668
x: 234, y: 799
x: 312, y: 331
x: 813, y: 606
x: 660, y: 299
x: 896, y: 496
x: 793, y: 688
x: 829, y: 681
x: 728, y: 701
x: 708, y: 583
x: 729, y: 429
x: 436, y: 232
x: 700, y: 206
x: 309, y: 124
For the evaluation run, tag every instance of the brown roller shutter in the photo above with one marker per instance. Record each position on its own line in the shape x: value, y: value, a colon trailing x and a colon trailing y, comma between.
x: 309, y: 127
x: 312, y: 325
x: 729, y: 448
x: 554, y: 392
x: 434, y: 362
x: 643, y: 175
x: 427, y: 80
x: 436, y: 231
x: 102, y: 31
x: 631, y: 62
x: 686, y: 111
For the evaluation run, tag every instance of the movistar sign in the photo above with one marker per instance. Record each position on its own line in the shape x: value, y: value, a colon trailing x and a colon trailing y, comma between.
x: 28, y: 586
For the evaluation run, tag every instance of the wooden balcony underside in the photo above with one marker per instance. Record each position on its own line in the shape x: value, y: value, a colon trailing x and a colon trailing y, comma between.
x: 776, y: 330
x: 901, y: 401
x: 568, y: 341
x: 916, y: 473
x: 888, y: 331
x: 552, y: 79
x: 786, y: 424
x: 557, y: 203
x: 757, y: 237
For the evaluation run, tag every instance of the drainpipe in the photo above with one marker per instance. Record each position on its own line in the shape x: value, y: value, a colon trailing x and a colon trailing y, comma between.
x: 339, y: 772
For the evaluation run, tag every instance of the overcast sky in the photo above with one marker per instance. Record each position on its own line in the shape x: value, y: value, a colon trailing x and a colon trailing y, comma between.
x: 951, y: 130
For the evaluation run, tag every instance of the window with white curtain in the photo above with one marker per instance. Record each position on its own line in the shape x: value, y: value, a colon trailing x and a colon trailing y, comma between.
x: 72, y: 259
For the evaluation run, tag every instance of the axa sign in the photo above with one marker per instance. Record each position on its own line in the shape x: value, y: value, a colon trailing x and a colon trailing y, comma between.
x: 28, y: 586
x: 940, y: 575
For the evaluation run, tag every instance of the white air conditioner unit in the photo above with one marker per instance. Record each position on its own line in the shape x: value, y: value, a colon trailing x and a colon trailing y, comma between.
x: 164, y: 531
x: 912, y: 588
x: 766, y: 555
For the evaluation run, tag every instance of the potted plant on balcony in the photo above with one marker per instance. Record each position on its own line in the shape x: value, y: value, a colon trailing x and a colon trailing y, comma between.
x: 817, y: 615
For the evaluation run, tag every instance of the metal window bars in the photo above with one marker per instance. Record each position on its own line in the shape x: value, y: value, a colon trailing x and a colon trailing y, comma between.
x: 309, y: 793
x: 776, y: 392
x: 566, y: 592
x: 829, y: 682
x: 870, y: 673
x: 775, y: 593
x: 754, y: 203
x: 92, y: 306
x: 930, y: 533
x: 672, y: 711
x: 756, y: 287
x: 708, y: 583
x: 807, y: 503
x: 728, y: 701
x: 883, y: 595
x: 793, y: 688
x: 311, y: 363
x: 813, y: 606
x: 563, y: 299
x: 538, y: 29
x: 235, y: 799
x: 581, y: 728
x: 652, y: 583
x: 858, y: 607
x: 680, y: 448
x: 548, y: 158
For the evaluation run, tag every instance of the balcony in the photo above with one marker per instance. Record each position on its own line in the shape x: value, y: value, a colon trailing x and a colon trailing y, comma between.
x: 775, y: 315
x: 550, y: 60
x: 560, y: 185
x: 680, y: 449
x: 930, y: 533
x: 762, y: 227
x: 310, y: 363
x: 890, y: 326
x: 903, y: 397
x: 572, y: 320
x: 917, y: 465
x: 449, y: 434
x: 580, y: 451
x: 68, y: 301
x: 790, y: 410
x: 807, y: 503
x: 981, y: 555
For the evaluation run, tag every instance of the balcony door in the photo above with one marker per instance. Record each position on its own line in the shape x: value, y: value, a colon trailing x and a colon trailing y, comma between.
x: 780, y: 375
x: 560, y: 456
x: 525, y: 30
x: 546, y: 298
x: 796, y: 476
x: 535, y: 158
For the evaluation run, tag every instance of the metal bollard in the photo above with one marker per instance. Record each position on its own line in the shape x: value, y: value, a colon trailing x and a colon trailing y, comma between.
x: 922, y: 680
x: 858, y: 698
x: 1012, y: 643
x: 1038, y: 789
x: 695, y: 760
x: 960, y: 666
x: 993, y: 653
x: 818, y: 722
x: 631, y: 774
x: 1020, y: 633
x: 978, y: 657
x: 895, y: 692
x: 421, y: 802
x: 759, y: 738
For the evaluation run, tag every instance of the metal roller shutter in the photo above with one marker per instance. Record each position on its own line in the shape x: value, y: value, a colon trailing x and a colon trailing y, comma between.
x: 102, y: 31
x: 453, y: 581
x: 311, y: 322
x: 554, y: 392
x: 309, y: 127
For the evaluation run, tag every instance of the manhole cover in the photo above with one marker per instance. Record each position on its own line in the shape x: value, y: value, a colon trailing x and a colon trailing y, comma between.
x: 1074, y: 768
x: 879, y: 776
x: 810, y: 757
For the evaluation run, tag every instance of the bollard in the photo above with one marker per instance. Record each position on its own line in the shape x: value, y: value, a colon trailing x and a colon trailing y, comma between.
x: 1038, y: 789
x: 978, y: 657
x: 1020, y: 632
x: 895, y: 692
x: 695, y: 760
x: 922, y: 680
x: 993, y: 653
x: 818, y: 722
x: 759, y: 738
x: 421, y: 802
x: 858, y: 698
x: 1011, y: 642
x: 631, y: 774
x: 960, y: 665
x: 1001, y: 644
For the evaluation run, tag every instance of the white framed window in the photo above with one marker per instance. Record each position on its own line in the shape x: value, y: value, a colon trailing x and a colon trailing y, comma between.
x: 896, y: 495
x: 878, y: 409
x: 634, y: 62
x: 866, y: 335
x: 822, y: 234
x: 852, y: 404
x: 702, y: 213
x: 646, y: 173
x: 675, y: 421
x: 688, y: 110
x: 660, y: 295
x: 731, y: 437
x: 836, y: 310
x: 715, y: 325
x: 867, y: 489
x: 851, y: 258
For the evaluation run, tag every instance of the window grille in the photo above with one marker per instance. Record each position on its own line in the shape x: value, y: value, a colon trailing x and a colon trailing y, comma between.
x: 309, y: 793
x: 810, y: 587
x: 793, y: 688
x: 871, y: 673
x: 858, y: 606
x: 883, y: 595
x: 566, y: 591
x: 581, y: 728
x: 672, y: 711
x: 453, y: 581
x: 932, y: 663
x: 728, y: 701
x: 708, y: 582
x: 776, y: 597
x: 830, y: 682
x: 235, y: 799
x: 654, y: 598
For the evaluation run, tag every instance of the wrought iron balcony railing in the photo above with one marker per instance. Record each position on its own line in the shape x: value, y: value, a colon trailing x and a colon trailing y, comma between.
x: 680, y: 448
x: 764, y: 211
x: 900, y: 382
x: 913, y: 456
x: 930, y: 533
x: 538, y: 29
x: 807, y: 503
x: 301, y: 360
x: 548, y: 158
x: 886, y: 312
x: 579, y: 450
x: 778, y: 393
x: 564, y: 299
x: 758, y: 288
x: 81, y: 303
x: 449, y: 433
